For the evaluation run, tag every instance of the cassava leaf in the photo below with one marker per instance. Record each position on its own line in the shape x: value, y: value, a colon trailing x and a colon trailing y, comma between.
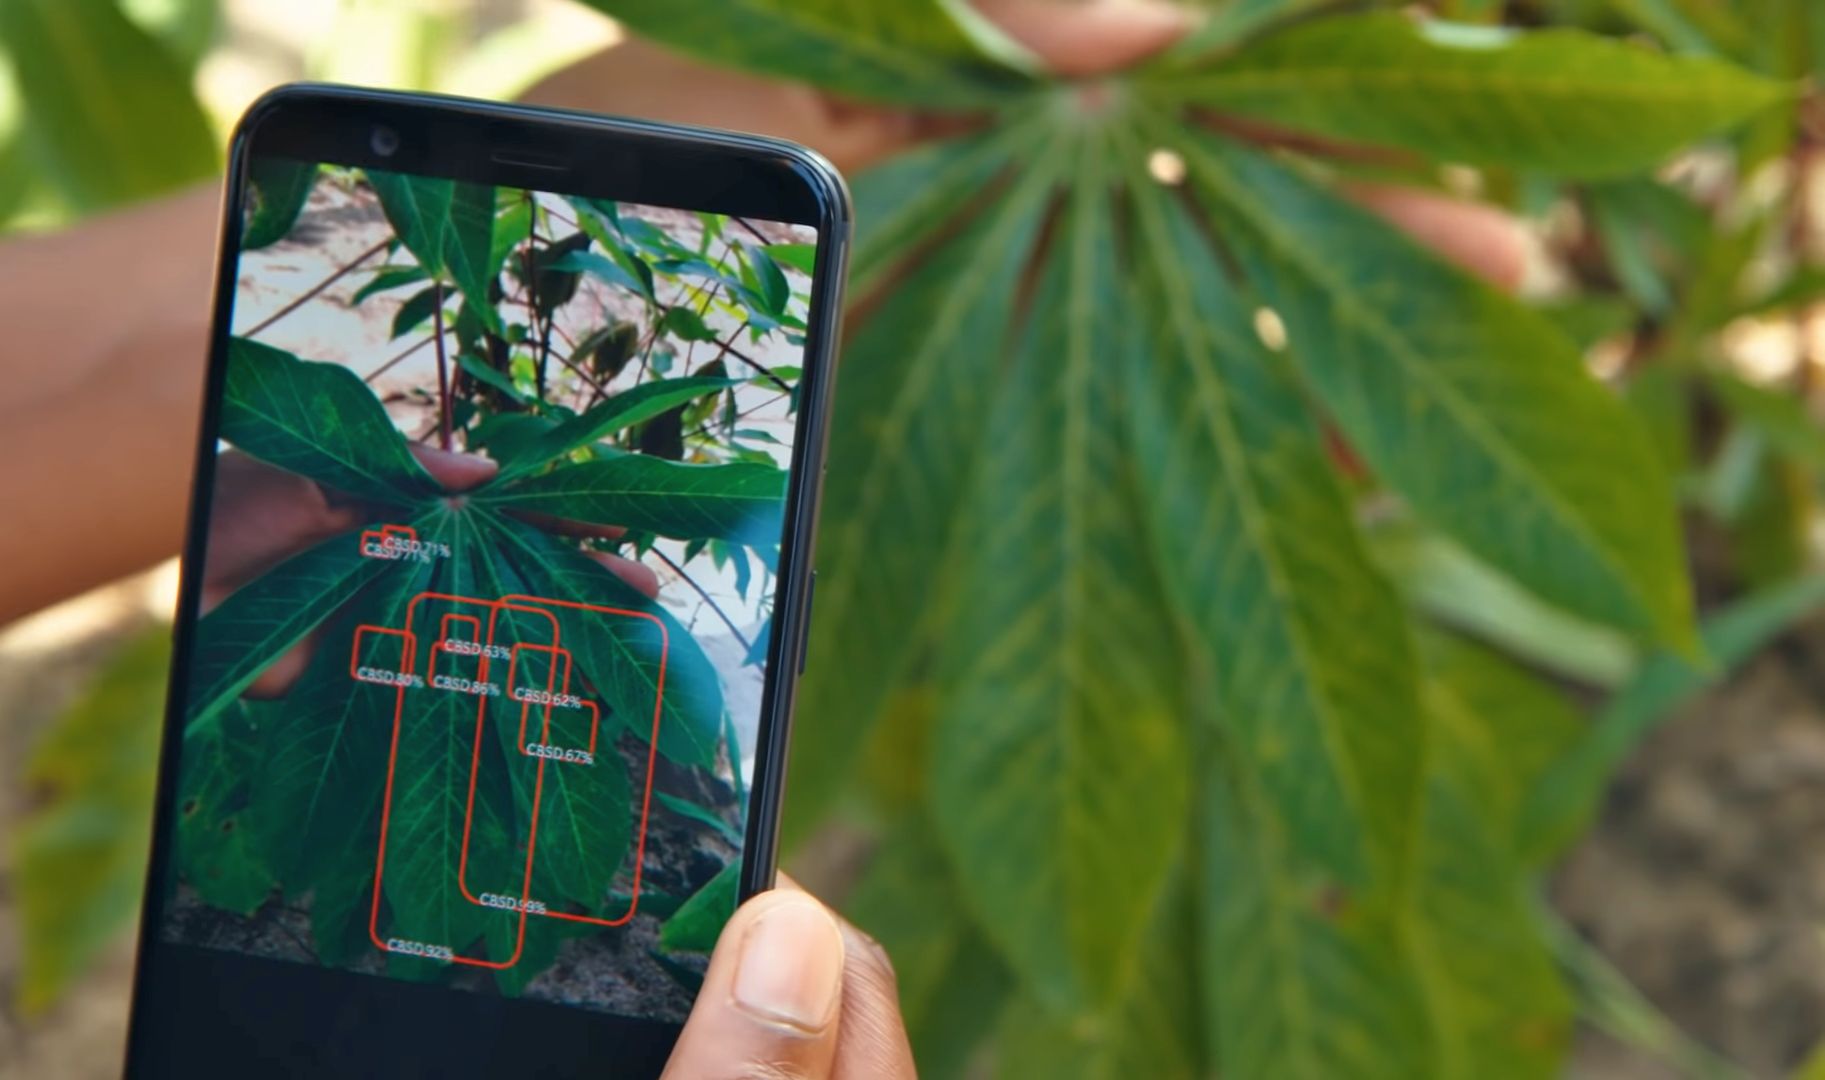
x: 896, y: 201
x: 584, y: 810
x: 1471, y: 407
x: 686, y: 809
x: 913, y: 52
x: 1057, y: 763
x: 914, y: 399
x: 1499, y: 1006
x: 389, y: 277
x: 216, y: 853
x: 262, y: 620
x: 448, y: 226
x: 112, y: 117
x: 277, y: 190
x: 775, y: 292
x: 416, y: 311
x: 1152, y: 1026
x: 512, y: 227
x: 624, y: 268
x: 741, y: 502
x: 1561, y: 101
x: 317, y: 780
x: 625, y: 659
x: 686, y: 325
x: 1298, y: 983
x: 435, y: 816
x: 317, y: 420
x: 695, y: 926
x: 482, y: 372
x: 620, y: 412
x: 508, y: 438
x: 600, y: 267
x: 800, y: 257
x: 1308, y: 645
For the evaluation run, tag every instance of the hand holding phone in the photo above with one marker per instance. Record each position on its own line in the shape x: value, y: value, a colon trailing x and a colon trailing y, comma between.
x: 795, y: 990
x: 495, y: 594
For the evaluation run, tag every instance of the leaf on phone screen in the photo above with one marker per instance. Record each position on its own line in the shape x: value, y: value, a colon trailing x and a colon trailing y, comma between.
x: 318, y: 420
x: 277, y: 191
x: 448, y: 226
x: 742, y: 502
x: 696, y: 925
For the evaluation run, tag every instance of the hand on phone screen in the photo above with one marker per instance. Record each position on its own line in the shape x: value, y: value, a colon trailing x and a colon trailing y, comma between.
x: 263, y: 516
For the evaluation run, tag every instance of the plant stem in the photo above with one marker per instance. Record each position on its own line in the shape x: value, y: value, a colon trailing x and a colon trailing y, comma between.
x: 600, y: 389
x: 708, y: 302
x: 746, y: 645
x: 532, y: 296
x: 443, y: 369
x: 311, y: 293
x: 727, y: 348
x: 744, y: 223
x: 390, y: 364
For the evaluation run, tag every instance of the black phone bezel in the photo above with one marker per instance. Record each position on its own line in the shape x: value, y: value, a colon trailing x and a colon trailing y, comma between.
x: 548, y: 150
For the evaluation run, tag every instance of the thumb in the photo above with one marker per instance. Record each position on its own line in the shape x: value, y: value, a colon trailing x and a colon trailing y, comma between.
x: 772, y: 996
x: 1091, y: 37
x: 457, y: 472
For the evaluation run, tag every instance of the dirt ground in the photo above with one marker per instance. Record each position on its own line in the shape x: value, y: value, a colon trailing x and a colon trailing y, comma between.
x: 1705, y: 880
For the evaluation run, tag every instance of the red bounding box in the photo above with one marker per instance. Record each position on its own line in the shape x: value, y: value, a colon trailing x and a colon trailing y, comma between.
x: 444, y: 633
x: 549, y: 694
x: 375, y: 542
x: 382, y: 655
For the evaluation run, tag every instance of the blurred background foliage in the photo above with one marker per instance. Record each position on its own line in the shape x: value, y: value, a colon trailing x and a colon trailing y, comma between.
x: 1566, y: 798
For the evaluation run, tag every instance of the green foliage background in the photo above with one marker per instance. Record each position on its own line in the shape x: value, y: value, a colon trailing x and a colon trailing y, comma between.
x: 1194, y: 743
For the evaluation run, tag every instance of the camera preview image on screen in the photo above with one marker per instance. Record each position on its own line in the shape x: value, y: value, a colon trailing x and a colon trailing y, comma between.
x: 487, y: 585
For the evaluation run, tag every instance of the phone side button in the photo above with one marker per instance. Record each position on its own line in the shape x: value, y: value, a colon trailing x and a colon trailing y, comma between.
x: 804, y: 625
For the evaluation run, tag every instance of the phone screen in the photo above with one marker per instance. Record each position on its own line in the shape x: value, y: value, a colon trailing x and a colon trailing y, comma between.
x: 493, y: 534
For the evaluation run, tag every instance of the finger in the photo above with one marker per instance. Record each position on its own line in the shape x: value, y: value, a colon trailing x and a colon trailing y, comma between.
x: 456, y: 471
x: 259, y: 517
x: 639, y: 575
x: 282, y: 674
x: 1094, y: 37
x: 1479, y: 238
x: 874, y: 1045
x: 772, y: 999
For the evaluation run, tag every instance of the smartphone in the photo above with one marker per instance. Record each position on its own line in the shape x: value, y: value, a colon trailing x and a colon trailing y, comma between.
x: 495, y: 592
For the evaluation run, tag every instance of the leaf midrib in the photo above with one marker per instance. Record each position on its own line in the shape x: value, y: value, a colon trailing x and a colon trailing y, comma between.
x: 626, y: 656
x: 1248, y: 501
x: 1290, y: 990
x: 1074, y: 383
x: 908, y: 399
x: 1294, y: 998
